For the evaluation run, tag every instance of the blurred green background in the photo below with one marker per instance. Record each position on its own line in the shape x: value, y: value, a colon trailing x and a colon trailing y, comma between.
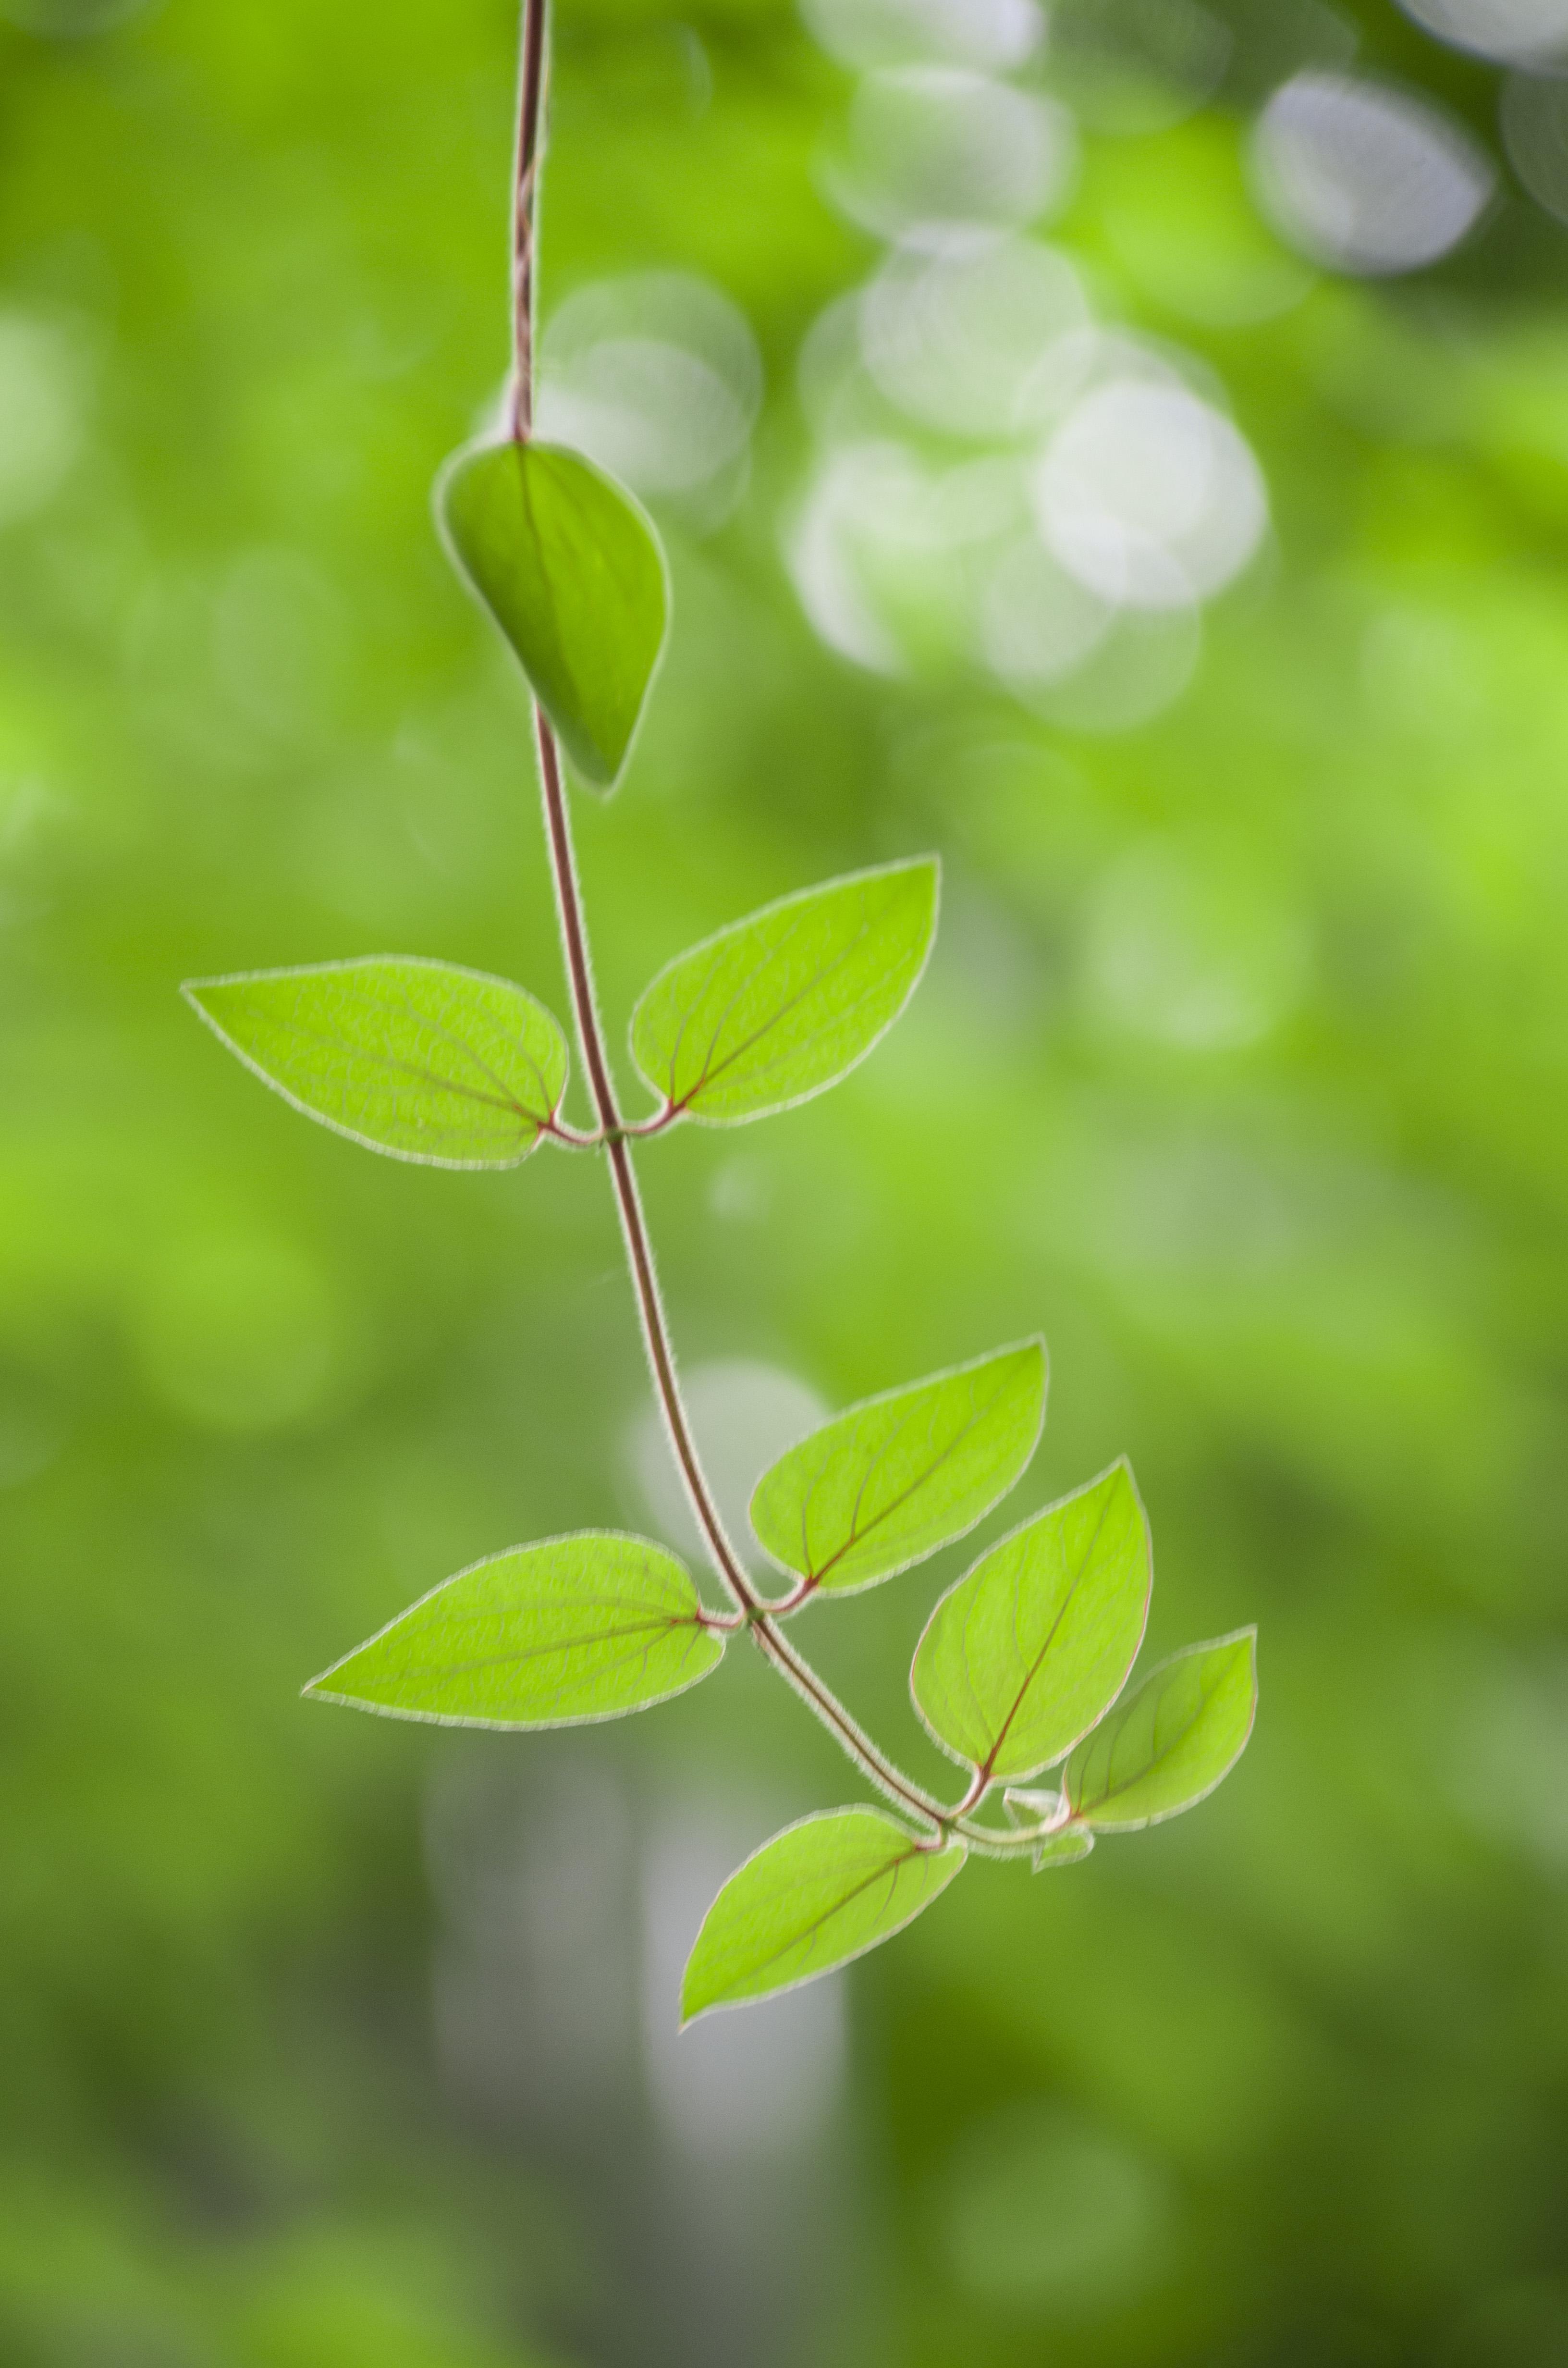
x: 1240, y: 1071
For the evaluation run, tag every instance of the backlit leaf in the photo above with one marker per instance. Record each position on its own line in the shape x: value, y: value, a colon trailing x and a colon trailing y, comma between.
x: 818, y: 1893
x: 572, y: 572
x: 776, y: 1008
x: 416, y: 1058
x: 574, y: 1628
x: 1021, y: 1657
x: 897, y: 1476
x: 1172, y: 1739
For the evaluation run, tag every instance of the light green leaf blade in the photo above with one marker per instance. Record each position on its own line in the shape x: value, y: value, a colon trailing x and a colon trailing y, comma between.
x: 1172, y: 1740
x: 571, y: 570
x: 554, y: 1634
x: 780, y: 1005
x: 419, y: 1059
x: 819, y: 1893
x: 896, y: 1477
x: 1030, y: 1647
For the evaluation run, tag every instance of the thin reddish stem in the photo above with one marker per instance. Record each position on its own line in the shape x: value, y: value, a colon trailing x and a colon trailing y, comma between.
x: 752, y: 1611
x: 525, y: 214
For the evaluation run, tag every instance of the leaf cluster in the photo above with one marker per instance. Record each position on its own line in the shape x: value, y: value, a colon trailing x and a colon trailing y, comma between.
x: 1024, y: 1663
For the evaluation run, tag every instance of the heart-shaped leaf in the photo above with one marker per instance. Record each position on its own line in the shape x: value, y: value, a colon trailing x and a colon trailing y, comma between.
x: 554, y: 1634
x: 897, y: 1476
x: 1171, y: 1741
x: 819, y: 1893
x: 418, y: 1059
x: 776, y: 1008
x: 572, y: 572
x: 1031, y: 1646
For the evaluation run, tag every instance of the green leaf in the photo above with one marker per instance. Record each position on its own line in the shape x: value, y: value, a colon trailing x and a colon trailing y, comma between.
x: 416, y: 1058
x: 819, y: 1893
x: 1172, y: 1740
x: 1029, y: 1648
x: 897, y: 1476
x: 576, y: 1628
x: 780, y: 1005
x: 572, y: 572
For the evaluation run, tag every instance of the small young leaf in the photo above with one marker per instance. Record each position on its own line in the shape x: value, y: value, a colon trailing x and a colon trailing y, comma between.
x: 1170, y: 1742
x: 897, y: 1476
x: 819, y: 1893
x: 572, y: 572
x: 776, y: 1008
x: 1065, y: 1849
x: 1031, y: 1646
x: 419, y: 1059
x: 572, y: 1629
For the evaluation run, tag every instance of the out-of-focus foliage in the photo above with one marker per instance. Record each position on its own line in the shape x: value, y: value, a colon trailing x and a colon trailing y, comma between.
x: 1238, y: 1071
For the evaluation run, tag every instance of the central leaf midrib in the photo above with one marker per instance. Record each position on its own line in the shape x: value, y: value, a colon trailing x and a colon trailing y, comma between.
x: 807, y: 1931
x: 666, y: 1624
x: 858, y: 1536
x: 345, y: 1046
x: 989, y: 1762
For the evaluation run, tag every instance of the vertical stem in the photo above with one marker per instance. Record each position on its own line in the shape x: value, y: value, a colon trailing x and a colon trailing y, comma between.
x: 524, y: 207
x: 633, y: 1225
x: 752, y: 1610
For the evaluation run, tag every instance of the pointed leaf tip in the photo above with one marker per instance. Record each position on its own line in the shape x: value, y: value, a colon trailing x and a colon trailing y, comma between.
x: 822, y: 1892
x: 1030, y: 1647
x: 893, y: 1478
x: 422, y: 1060
x: 777, y: 1007
x: 571, y: 1630
x: 1172, y: 1740
x: 571, y: 570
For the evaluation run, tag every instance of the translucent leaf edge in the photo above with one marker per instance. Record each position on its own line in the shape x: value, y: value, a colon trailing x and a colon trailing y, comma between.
x: 1026, y: 1775
x: 1184, y: 1652
x: 1048, y: 1860
x: 881, y: 1398
x: 780, y: 904
x: 315, y: 1689
x: 600, y: 786
x: 955, y: 1848
x: 192, y: 989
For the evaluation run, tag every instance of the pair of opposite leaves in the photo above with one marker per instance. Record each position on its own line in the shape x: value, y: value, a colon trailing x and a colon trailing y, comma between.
x: 432, y: 1061
x: 1020, y: 1666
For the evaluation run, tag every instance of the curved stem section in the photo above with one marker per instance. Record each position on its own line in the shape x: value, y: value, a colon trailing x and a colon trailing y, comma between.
x: 752, y: 1611
x: 995, y: 1841
x: 871, y: 1761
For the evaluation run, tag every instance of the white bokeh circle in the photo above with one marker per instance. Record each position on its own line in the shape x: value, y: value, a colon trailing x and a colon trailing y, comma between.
x: 1364, y: 178
x: 954, y: 340
x: 1517, y: 32
x: 1149, y: 497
